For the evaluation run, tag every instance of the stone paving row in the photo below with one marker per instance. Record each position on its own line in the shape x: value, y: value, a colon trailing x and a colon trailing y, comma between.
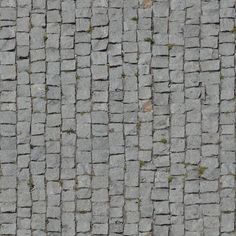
x: 117, y: 117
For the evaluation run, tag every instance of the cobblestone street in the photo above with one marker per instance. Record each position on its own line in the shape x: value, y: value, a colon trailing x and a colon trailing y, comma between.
x: 117, y: 117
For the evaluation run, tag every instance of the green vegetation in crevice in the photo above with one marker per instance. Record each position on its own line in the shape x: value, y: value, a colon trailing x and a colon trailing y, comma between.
x: 149, y: 40
x: 201, y: 170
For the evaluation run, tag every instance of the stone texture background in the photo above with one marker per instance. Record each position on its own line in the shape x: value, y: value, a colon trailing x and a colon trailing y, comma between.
x: 117, y: 117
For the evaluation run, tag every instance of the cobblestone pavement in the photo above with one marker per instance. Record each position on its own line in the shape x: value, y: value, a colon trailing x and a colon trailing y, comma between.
x: 117, y: 117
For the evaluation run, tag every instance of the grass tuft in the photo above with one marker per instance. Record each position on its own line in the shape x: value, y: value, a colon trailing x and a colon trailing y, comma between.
x: 233, y: 30
x: 45, y: 37
x: 201, y: 170
x: 138, y: 125
x: 30, y: 183
x: 163, y: 140
x: 61, y: 182
x: 170, y: 46
x: 134, y: 18
x: 142, y: 163
x: 149, y: 40
x: 90, y: 29
x: 170, y: 178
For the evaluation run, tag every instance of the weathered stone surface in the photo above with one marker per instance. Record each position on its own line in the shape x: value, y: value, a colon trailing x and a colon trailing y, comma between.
x: 117, y: 117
